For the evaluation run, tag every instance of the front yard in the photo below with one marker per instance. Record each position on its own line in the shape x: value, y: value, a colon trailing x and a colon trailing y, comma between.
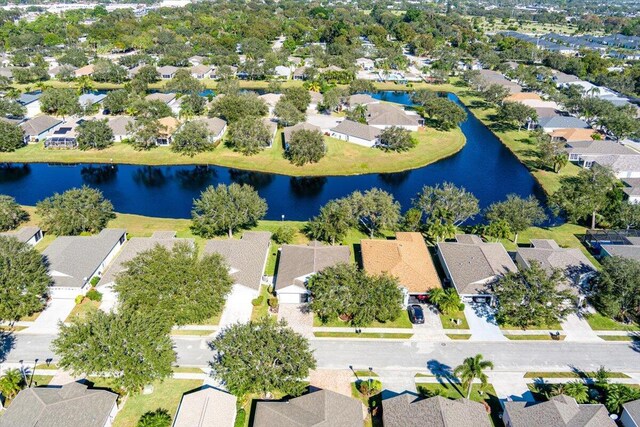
x: 401, y: 322
x: 598, y: 322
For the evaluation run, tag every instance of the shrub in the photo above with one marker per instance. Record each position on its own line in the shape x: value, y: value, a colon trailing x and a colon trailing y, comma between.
x: 273, y: 302
x: 369, y: 388
x: 257, y: 301
x: 94, y: 295
x: 94, y: 280
x: 284, y: 234
x: 158, y: 418
x: 79, y: 299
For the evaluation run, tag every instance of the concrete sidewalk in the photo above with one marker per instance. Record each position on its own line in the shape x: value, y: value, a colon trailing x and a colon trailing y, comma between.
x: 47, y: 323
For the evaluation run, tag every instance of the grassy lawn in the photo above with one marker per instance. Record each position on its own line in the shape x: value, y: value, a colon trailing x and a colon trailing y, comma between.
x: 459, y: 336
x: 262, y: 310
x: 401, y: 322
x: 362, y: 335
x: 342, y: 158
x: 187, y: 370
x: 554, y: 327
x: 193, y: 332
x: 627, y: 338
x: 449, y: 320
x: 545, y: 337
x: 455, y: 391
x: 364, y: 373
x: 165, y: 395
x: 41, y: 380
x: 12, y: 328
x: 598, y: 322
x: 80, y: 311
x: 572, y: 375
x: 371, y: 402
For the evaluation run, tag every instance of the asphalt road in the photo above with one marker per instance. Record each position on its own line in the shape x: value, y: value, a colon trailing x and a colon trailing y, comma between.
x: 423, y: 356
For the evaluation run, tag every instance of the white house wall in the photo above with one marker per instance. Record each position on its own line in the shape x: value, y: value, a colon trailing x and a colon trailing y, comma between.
x: 353, y: 139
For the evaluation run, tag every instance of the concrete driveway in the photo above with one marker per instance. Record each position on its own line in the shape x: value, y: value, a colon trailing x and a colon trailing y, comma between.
x: 238, y: 307
x: 298, y: 317
x: 432, y: 328
x: 47, y: 323
x: 109, y: 298
x: 324, y: 121
x: 577, y: 329
x: 482, y: 322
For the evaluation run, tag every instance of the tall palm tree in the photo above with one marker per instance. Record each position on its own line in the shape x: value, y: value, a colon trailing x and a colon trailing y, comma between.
x: 84, y: 84
x: 578, y: 390
x: 471, y: 369
x: 11, y: 383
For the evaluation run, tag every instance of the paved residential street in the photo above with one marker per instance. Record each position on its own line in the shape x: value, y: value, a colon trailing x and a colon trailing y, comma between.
x: 407, y: 355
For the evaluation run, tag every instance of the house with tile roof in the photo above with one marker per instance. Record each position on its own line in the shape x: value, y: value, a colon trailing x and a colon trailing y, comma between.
x: 72, y: 405
x: 406, y: 258
x: 473, y: 265
x: 30, y: 235
x: 407, y: 410
x: 38, y: 128
x: 559, y: 411
x: 87, y: 70
x: 168, y: 126
x: 74, y: 260
x: 572, y: 135
x: 574, y: 264
x: 321, y: 408
x: 356, y: 133
x: 297, y: 263
x: 206, y: 407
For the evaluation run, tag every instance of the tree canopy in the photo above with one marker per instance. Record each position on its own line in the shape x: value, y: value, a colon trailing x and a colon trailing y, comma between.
x: 11, y: 213
x: 249, y: 136
x: 192, y: 138
x: 12, y: 136
x: 517, y: 213
x: 616, y: 290
x: 59, y: 102
x: 332, y: 223
x: 225, y: 209
x: 306, y: 146
x: 374, y: 210
x: 446, y: 202
x: 176, y: 284
x: 395, y: 138
x: 236, y: 106
x: 262, y: 357
x: 94, y: 134
x: 25, y: 279
x: 75, y: 211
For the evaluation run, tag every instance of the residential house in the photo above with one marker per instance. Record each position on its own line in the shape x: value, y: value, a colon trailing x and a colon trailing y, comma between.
x: 522, y: 97
x: 623, y: 165
x: 406, y: 258
x: 206, y: 407
x: 37, y: 128
x: 86, y: 100
x: 586, y: 152
x: 319, y: 408
x: 316, y: 99
x: 31, y: 101
x: 271, y: 99
x: 216, y: 127
x: 407, y: 410
x: 472, y: 266
x: 559, y: 411
x: 573, y: 135
x: 383, y: 116
x: 29, y: 235
x: 201, y: 71
x: 85, y: 71
x: 563, y: 79
x: 272, y: 127
x: 167, y: 72
x: 360, y: 99
x: 356, y: 133
x: 247, y: 259
x: 168, y: 98
x: 282, y: 72
x: 300, y: 73
x: 575, y: 266
x: 119, y: 126
x: 490, y: 77
x: 168, y: 126
x: 630, y: 416
x: 196, y: 60
x: 288, y: 132
x: 299, y: 262
x: 365, y: 64
x: 55, y: 71
x: 551, y: 124
x: 64, y: 136
x: 72, y: 405
x: 74, y: 260
x: 632, y: 189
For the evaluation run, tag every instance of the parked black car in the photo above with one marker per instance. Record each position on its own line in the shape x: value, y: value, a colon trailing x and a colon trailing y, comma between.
x: 416, y: 315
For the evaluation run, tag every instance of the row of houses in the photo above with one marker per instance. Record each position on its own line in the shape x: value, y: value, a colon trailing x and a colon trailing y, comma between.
x: 77, y: 404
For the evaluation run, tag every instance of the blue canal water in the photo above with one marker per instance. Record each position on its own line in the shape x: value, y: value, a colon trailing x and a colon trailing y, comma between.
x: 484, y: 167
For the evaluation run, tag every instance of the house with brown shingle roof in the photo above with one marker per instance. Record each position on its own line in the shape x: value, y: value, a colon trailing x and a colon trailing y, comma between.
x: 406, y: 258
x: 168, y: 125
x: 87, y: 70
x: 473, y: 265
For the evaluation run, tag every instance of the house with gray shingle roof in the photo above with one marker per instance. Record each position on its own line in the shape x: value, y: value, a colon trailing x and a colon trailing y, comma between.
x: 623, y: 165
x: 356, y: 133
x: 406, y: 410
x: 472, y: 265
x: 287, y: 132
x: 630, y: 416
x: 119, y: 126
x: 206, y: 407
x: 74, y: 260
x: 574, y: 264
x: 299, y: 262
x: 167, y: 72
x: 216, y: 127
x: 322, y: 408
x: 559, y: 411
x: 201, y: 71
x: 383, y: 116
x: 31, y: 101
x: 632, y: 189
x: 38, y: 128
x: 549, y: 124
x: 72, y: 405
x: 586, y: 152
x: 30, y: 235
x: 361, y: 99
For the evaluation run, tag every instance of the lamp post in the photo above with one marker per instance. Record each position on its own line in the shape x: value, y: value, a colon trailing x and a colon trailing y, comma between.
x: 33, y: 373
x: 282, y: 217
x: 370, y: 375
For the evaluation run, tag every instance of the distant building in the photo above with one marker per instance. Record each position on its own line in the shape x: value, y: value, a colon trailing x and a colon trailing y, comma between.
x: 29, y: 235
x: 167, y: 72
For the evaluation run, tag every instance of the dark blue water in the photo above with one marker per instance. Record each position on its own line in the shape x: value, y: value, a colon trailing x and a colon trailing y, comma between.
x: 484, y: 167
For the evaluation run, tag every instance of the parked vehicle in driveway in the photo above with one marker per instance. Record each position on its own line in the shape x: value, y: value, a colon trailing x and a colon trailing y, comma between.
x: 416, y: 315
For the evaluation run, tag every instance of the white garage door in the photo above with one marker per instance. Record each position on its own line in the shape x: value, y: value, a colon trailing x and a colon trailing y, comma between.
x: 293, y: 298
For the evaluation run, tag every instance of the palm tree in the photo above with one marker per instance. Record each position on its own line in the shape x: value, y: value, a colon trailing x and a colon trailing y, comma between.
x: 618, y: 394
x: 448, y: 301
x: 11, y: 383
x: 314, y: 86
x: 84, y: 84
x: 471, y: 369
x: 358, y: 113
x: 560, y: 160
x: 158, y: 418
x: 578, y: 390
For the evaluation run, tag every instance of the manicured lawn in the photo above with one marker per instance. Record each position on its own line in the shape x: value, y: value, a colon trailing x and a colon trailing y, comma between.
x: 371, y: 402
x: 262, y: 310
x: 598, y: 322
x: 459, y: 336
x: 12, y: 328
x: 342, y: 158
x: 187, y: 370
x: 193, y: 332
x: 455, y: 391
x: 619, y: 338
x: 80, y: 311
x: 572, y: 375
x: 213, y: 320
x: 401, y: 322
x: 545, y: 337
x: 165, y: 395
x: 449, y: 320
x: 365, y: 373
x: 362, y: 335
x: 41, y: 380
